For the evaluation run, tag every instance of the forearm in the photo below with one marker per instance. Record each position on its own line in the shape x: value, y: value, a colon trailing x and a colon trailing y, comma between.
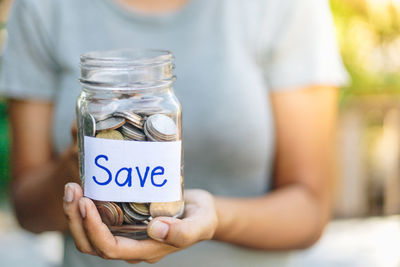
x: 37, y: 195
x: 287, y: 218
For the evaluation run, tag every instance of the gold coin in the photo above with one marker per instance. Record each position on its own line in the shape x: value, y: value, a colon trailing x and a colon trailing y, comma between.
x: 110, y: 134
x: 141, y: 208
x: 169, y: 209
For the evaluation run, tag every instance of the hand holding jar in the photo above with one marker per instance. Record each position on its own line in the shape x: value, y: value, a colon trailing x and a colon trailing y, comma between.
x: 130, y: 158
x: 168, y: 234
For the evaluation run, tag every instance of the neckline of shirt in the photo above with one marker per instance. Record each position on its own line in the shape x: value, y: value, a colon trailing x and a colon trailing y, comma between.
x: 159, y: 19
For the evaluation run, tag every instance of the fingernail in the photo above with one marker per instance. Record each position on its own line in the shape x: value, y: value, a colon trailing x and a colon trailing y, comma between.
x: 68, y: 193
x: 158, y: 230
x: 82, y: 207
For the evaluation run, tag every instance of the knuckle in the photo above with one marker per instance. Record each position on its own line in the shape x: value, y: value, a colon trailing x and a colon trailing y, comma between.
x: 68, y: 215
x: 83, y: 249
x: 103, y: 255
x: 184, y: 239
x: 209, y: 235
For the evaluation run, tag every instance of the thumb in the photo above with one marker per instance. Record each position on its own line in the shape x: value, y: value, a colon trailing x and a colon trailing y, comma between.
x: 172, y: 231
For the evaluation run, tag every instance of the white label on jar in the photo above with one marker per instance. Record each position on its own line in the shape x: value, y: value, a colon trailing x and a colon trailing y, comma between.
x: 132, y: 171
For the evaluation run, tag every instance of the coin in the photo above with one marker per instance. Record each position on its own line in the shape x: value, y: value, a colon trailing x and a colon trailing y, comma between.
x: 102, y: 117
x: 120, y: 217
x: 110, y: 134
x: 89, y: 125
x: 161, y: 128
x: 169, y: 209
x: 131, y: 213
x: 110, y: 124
x: 141, y: 208
x: 132, y: 132
x: 128, y: 219
x: 110, y: 213
x: 163, y: 125
x: 145, y: 113
x: 148, y: 135
x: 131, y: 117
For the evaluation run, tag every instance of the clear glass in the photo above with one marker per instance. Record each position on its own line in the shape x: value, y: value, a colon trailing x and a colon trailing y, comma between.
x: 125, y: 93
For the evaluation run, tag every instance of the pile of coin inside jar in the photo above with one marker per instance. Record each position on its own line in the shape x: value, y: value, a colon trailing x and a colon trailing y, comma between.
x: 136, y: 126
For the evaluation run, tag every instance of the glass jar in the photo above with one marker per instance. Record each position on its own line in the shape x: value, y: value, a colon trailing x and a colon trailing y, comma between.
x: 129, y: 135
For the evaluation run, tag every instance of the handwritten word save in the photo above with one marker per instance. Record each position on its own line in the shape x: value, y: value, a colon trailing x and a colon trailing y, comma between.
x: 124, y: 176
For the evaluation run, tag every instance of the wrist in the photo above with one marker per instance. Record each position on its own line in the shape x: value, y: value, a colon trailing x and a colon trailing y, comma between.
x: 224, y: 217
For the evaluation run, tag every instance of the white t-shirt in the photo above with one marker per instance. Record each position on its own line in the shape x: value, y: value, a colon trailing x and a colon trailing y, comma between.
x: 230, y: 54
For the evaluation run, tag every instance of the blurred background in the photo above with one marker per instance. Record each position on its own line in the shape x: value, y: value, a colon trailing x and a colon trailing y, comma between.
x: 366, y: 226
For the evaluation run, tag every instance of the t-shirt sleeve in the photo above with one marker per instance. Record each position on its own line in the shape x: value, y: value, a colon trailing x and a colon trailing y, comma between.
x: 304, y: 50
x: 28, y: 70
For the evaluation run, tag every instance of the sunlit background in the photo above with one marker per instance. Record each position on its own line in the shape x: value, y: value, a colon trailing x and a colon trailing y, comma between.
x: 366, y: 228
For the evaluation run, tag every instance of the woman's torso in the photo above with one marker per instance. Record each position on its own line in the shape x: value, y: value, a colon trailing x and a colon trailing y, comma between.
x: 227, y: 118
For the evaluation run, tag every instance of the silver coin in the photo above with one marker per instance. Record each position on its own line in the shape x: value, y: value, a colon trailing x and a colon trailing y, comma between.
x: 132, y: 118
x: 163, y: 125
x: 102, y: 117
x: 131, y: 213
x: 132, y: 132
x: 128, y: 219
x: 148, y: 135
x: 110, y: 124
x: 89, y: 125
x: 145, y: 113
x: 161, y: 128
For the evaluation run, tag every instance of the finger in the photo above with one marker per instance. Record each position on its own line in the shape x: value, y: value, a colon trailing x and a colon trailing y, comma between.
x: 133, y: 261
x: 199, y: 222
x: 115, y: 247
x: 175, y: 232
x: 155, y: 260
x: 144, y: 250
x: 98, y: 233
x: 72, y: 194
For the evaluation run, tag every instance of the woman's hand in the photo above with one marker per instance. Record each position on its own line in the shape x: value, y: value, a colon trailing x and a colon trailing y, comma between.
x: 168, y: 235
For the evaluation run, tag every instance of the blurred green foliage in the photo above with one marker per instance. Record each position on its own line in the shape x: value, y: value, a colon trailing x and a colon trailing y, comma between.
x: 4, y: 150
x: 369, y: 37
